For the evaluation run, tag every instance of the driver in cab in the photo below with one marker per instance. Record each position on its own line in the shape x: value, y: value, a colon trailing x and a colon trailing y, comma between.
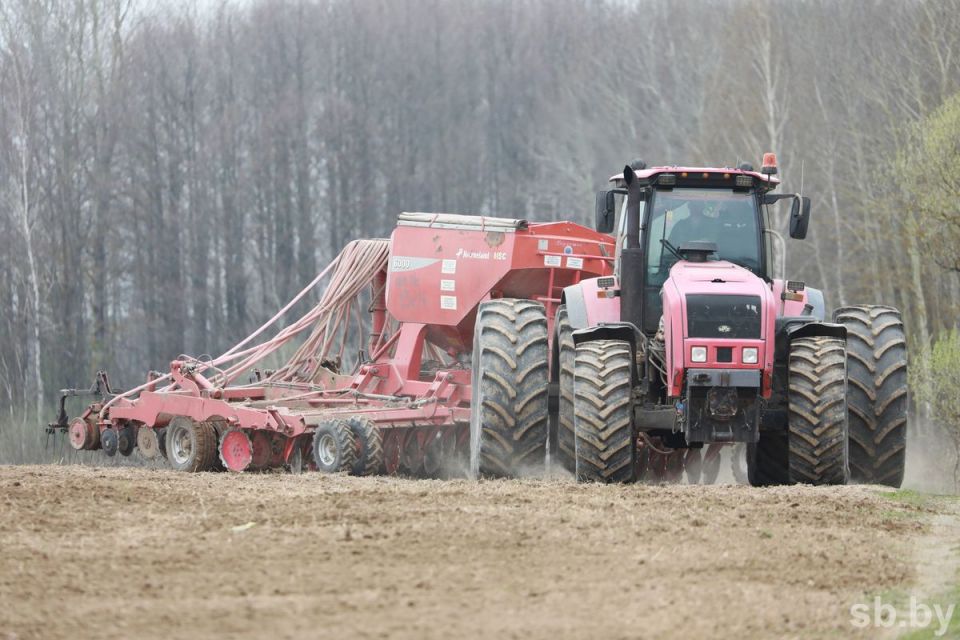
x: 696, y: 226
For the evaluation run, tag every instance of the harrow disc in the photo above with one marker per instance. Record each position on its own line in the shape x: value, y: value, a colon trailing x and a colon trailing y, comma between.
x: 392, y: 442
x: 673, y: 472
x: 126, y: 440
x: 433, y: 454
x: 109, y: 441
x: 147, y: 443
x: 236, y: 450
x: 643, y: 461
x: 295, y: 463
x: 261, y: 450
x: 412, y: 453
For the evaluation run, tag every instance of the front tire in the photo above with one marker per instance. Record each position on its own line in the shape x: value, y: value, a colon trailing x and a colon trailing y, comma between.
x: 606, y: 447
x: 817, y: 395
x: 509, y: 413
x: 813, y: 448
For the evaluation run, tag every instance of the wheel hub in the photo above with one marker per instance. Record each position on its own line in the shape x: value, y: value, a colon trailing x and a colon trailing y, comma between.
x: 181, y: 444
x: 327, y: 449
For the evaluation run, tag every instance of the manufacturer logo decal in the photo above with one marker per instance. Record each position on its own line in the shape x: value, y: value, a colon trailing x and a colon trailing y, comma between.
x: 724, y: 328
x: 481, y: 255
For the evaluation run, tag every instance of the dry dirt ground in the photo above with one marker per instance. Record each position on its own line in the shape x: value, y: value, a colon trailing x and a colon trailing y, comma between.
x: 139, y: 553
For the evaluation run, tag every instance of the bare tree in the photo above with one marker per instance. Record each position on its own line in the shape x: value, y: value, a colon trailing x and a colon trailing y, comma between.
x: 26, y: 217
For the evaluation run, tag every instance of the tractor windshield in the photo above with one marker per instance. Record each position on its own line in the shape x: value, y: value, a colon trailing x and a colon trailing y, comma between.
x: 683, y: 215
x: 722, y: 216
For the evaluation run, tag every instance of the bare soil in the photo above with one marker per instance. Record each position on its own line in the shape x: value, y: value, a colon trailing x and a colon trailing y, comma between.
x: 142, y: 553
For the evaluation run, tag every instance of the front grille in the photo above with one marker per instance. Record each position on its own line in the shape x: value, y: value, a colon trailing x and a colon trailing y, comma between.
x: 720, y: 316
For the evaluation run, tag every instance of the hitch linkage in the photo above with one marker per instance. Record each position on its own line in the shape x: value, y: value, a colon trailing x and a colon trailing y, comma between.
x: 100, y: 388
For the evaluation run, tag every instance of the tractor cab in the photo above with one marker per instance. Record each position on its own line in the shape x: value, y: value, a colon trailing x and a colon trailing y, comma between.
x: 678, y: 205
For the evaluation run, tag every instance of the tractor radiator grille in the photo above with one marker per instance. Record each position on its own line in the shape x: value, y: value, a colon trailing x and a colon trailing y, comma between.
x: 723, y: 316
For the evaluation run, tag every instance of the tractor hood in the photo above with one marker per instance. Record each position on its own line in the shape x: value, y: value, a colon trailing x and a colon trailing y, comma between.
x: 721, y: 307
x: 715, y: 286
x: 718, y: 277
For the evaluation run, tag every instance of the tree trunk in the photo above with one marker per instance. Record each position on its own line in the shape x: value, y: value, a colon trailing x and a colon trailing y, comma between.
x: 33, y: 279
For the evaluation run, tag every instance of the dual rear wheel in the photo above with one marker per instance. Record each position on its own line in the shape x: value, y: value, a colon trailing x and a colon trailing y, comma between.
x: 847, y: 407
x: 877, y: 393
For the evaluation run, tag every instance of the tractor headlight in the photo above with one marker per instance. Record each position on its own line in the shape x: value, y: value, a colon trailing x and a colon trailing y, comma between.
x: 698, y: 354
x: 749, y: 355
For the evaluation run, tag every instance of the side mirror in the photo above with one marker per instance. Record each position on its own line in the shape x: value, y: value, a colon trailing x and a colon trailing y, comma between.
x: 606, y: 211
x: 799, y: 218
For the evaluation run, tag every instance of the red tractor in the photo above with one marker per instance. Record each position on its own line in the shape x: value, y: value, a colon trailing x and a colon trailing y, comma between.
x: 694, y: 341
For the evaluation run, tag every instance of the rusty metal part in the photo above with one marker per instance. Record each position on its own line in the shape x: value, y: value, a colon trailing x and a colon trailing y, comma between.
x: 147, y: 443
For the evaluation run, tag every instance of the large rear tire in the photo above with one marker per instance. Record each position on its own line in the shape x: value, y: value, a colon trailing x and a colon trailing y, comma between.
x: 566, y: 355
x: 509, y: 413
x: 606, y: 447
x: 877, y: 400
